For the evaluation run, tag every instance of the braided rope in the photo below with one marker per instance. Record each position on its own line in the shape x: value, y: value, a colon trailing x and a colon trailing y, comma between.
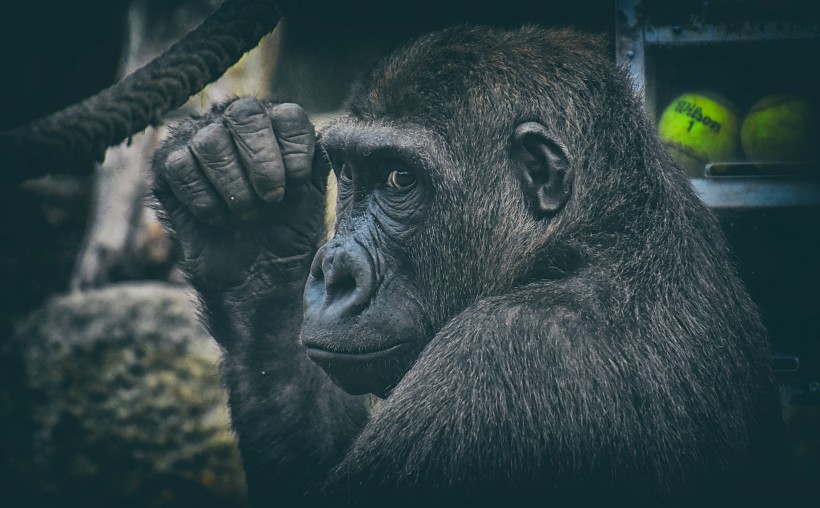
x: 67, y: 140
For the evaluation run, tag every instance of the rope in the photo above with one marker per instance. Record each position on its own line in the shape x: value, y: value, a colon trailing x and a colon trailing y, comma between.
x: 68, y: 140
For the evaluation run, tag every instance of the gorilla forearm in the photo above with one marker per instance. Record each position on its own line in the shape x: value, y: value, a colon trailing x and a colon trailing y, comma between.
x: 293, y: 423
x: 248, y: 230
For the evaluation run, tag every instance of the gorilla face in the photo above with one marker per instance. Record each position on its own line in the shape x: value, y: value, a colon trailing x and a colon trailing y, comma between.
x: 447, y: 192
x: 413, y: 224
x: 364, y: 321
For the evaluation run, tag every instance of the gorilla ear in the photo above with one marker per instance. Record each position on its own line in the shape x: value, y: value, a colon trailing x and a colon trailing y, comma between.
x: 543, y: 167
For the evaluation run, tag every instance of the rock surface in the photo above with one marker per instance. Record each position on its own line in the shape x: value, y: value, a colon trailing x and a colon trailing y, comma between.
x: 113, y: 398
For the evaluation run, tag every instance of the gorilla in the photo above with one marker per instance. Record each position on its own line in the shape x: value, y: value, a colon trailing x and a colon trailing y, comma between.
x: 518, y: 271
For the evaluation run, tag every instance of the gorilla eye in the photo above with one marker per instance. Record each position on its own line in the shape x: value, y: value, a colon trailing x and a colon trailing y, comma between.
x: 400, y: 179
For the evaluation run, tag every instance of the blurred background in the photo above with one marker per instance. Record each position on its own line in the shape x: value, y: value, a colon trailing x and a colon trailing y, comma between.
x: 109, y: 389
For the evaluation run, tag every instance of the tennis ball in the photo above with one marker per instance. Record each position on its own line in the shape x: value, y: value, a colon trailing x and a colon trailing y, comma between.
x: 697, y: 128
x: 779, y: 128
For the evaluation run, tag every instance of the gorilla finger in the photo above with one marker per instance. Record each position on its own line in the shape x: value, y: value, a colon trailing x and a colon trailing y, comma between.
x: 321, y: 168
x: 191, y: 188
x: 296, y: 138
x: 256, y: 144
x: 213, y: 148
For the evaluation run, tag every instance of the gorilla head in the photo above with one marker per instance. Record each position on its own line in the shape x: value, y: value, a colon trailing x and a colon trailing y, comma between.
x: 465, y: 165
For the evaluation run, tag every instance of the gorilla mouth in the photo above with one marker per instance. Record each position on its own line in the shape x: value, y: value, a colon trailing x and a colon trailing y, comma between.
x: 320, y: 355
x: 357, y: 373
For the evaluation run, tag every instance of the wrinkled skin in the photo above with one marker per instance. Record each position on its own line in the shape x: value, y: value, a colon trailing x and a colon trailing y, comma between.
x: 517, y: 268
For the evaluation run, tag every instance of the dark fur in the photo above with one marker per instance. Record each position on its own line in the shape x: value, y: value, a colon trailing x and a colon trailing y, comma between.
x: 608, y: 352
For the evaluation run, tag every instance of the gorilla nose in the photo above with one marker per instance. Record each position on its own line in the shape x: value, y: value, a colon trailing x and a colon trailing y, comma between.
x: 342, y: 280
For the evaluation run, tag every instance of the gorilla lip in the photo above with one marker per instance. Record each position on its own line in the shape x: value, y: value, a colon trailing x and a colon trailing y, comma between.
x: 321, y: 354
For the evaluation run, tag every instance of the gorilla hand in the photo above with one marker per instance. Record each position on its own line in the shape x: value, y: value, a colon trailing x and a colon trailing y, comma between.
x: 241, y: 189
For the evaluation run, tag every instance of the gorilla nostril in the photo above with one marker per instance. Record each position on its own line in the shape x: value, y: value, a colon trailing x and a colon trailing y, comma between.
x: 341, y: 286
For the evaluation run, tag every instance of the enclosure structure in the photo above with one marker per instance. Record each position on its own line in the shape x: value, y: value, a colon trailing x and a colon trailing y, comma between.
x: 746, y: 50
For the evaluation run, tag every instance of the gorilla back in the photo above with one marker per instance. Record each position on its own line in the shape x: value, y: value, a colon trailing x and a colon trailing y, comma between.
x: 517, y: 268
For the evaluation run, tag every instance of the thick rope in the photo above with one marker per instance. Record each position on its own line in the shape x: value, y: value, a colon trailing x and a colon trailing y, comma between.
x: 67, y: 141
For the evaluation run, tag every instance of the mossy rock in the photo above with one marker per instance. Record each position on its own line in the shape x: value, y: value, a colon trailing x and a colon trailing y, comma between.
x: 113, y: 398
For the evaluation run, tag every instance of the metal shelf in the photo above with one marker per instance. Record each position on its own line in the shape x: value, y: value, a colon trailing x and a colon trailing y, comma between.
x: 757, y: 192
x: 700, y: 33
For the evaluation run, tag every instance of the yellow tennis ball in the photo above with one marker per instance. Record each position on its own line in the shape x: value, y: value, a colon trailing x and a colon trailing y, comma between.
x: 779, y: 128
x: 697, y: 128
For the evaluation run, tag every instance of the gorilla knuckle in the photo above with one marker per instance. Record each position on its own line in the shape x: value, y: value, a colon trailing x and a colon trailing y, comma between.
x: 211, y: 140
x: 246, y: 111
x: 290, y: 121
x: 288, y: 112
x: 274, y: 194
x: 295, y: 145
x: 179, y: 161
x: 298, y: 167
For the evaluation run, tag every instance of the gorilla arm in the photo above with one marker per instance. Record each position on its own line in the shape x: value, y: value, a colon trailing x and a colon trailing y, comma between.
x: 537, y: 391
x: 245, y: 201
